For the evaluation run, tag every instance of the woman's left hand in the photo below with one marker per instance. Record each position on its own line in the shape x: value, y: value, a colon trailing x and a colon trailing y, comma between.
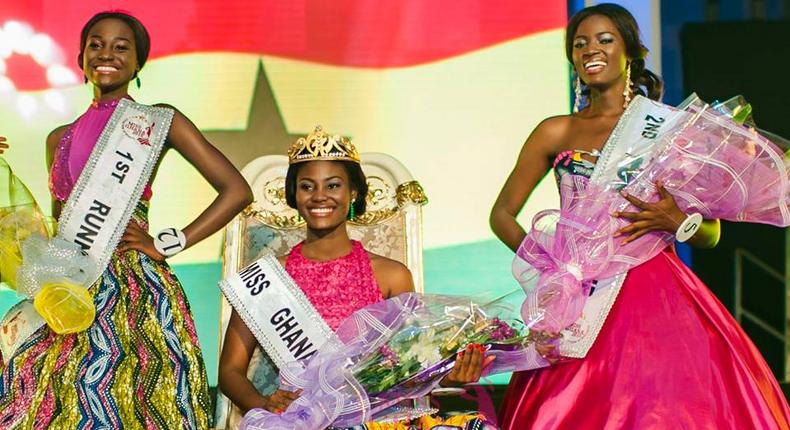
x: 138, y: 239
x: 469, y: 365
x: 663, y: 215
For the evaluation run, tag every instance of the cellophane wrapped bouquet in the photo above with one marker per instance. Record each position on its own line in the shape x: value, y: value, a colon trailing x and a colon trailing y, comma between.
x: 711, y: 159
x: 42, y: 268
x: 394, y: 350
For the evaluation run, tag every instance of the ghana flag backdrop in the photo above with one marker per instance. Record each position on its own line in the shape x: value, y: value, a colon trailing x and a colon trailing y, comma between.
x: 450, y: 87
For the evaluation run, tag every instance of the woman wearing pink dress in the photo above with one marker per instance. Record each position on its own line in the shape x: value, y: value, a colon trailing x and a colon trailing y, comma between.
x: 336, y: 273
x: 669, y: 355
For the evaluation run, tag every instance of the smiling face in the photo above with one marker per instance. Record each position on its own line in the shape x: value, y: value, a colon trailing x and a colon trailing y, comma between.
x: 599, y: 52
x: 109, y: 60
x: 323, y: 194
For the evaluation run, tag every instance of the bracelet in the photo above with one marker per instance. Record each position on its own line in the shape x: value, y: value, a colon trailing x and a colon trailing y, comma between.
x: 688, y: 228
x: 170, y: 241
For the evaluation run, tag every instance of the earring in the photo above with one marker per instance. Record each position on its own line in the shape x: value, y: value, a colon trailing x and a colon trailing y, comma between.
x: 137, y: 80
x: 627, y: 91
x: 351, y: 211
x: 577, y: 94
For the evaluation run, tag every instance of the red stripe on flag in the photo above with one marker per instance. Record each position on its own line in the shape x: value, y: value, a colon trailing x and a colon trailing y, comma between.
x: 355, y: 33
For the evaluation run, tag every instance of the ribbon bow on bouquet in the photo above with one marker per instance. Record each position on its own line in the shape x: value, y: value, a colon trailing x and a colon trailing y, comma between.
x: 710, y: 164
x: 49, y: 271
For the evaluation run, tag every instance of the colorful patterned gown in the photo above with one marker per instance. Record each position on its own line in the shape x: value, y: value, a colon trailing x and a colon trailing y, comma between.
x: 669, y: 356
x: 139, y: 365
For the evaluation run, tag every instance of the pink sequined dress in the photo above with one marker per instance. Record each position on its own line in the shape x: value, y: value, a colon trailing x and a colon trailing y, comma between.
x: 669, y: 356
x: 336, y: 288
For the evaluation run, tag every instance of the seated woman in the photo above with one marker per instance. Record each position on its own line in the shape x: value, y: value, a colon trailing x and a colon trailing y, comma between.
x: 326, y: 185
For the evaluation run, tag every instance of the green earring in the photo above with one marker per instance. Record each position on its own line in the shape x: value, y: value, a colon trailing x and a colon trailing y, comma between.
x: 351, y: 210
x: 138, y: 82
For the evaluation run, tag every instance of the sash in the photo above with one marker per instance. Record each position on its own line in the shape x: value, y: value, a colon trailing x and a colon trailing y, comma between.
x: 632, y: 144
x: 103, y: 200
x: 276, y: 311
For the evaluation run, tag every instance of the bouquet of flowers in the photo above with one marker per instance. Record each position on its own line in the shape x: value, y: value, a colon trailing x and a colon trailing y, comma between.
x: 47, y: 270
x: 712, y: 161
x: 391, y: 351
x: 20, y: 217
x: 417, y: 354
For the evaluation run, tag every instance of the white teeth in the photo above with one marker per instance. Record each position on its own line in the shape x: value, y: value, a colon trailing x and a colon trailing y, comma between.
x: 594, y: 64
x: 321, y: 210
x: 106, y: 69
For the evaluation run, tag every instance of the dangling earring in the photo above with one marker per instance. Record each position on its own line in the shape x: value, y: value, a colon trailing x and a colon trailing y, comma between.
x: 627, y: 91
x: 137, y: 80
x: 351, y: 211
x: 577, y: 94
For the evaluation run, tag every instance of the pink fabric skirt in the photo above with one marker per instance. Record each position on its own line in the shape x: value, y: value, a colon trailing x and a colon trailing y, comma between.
x: 669, y: 356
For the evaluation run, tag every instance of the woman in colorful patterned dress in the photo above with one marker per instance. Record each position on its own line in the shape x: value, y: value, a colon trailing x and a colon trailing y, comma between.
x: 336, y: 273
x: 139, y: 365
x: 669, y: 355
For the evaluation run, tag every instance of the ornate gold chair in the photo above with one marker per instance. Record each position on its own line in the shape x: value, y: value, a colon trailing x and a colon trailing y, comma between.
x: 391, y: 227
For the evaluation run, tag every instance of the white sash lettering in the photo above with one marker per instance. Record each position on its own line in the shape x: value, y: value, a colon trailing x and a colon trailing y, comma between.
x: 102, y: 202
x: 276, y: 311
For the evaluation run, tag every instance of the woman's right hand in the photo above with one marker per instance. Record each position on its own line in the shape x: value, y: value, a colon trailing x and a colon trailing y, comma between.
x: 278, y: 401
x: 3, y: 145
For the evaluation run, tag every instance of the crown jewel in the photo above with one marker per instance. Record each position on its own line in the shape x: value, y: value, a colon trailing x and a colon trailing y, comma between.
x: 319, y: 145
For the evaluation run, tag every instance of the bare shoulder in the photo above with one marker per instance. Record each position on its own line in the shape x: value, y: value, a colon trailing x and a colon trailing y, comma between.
x: 166, y: 106
x: 386, y: 265
x: 392, y: 276
x: 552, y: 131
x: 177, y: 115
x: 55, y: 135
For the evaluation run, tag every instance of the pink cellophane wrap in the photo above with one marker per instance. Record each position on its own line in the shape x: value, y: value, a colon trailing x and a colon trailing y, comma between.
x: 708, y: 162
x: 331, y: 395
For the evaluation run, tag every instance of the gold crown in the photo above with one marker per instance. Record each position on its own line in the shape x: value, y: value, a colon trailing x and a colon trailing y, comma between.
x: 319, y: 145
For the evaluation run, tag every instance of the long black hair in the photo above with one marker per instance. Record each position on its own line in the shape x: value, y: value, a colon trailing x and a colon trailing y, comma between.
x: 142, y: 41
x: 645, y: 82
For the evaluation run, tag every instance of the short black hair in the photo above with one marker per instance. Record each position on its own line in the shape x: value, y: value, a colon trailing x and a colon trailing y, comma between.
x: 142, y: 41
x: 356, y: 178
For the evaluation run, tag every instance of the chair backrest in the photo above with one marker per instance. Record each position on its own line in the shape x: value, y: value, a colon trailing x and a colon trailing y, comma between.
x: 391, y: 226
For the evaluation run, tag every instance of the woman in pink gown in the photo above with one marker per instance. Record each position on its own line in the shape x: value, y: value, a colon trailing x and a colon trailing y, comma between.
x: 669, y: 355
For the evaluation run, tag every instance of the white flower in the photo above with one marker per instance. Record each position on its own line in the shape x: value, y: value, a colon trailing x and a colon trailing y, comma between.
x: 426, y: 352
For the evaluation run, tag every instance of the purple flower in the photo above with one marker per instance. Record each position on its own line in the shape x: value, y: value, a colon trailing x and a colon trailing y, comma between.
x: 502, y: 331
x: 389, y: 354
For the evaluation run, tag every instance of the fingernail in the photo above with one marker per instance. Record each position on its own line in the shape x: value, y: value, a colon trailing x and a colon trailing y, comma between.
x: 623, y: 193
